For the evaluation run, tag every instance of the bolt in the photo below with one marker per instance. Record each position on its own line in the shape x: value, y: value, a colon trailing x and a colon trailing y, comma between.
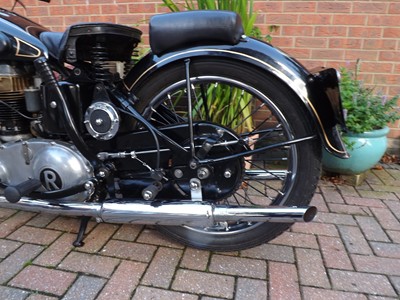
x: 203, y: 173
x: 228, y: 173
x: 194, y: 185
x: 193, y: 165
x: 99, y: 121
x: 89, y: 186
x: 53, y: 104
x: 178, y: 173
x: 147, y: 195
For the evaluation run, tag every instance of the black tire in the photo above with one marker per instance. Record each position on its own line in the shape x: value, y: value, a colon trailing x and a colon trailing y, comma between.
x: 281, y: 112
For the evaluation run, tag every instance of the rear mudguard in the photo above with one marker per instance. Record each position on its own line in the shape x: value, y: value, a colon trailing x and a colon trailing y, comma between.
x: 318, y: 90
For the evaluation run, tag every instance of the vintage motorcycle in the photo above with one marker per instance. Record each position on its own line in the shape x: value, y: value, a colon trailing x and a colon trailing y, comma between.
x: 213, y: 137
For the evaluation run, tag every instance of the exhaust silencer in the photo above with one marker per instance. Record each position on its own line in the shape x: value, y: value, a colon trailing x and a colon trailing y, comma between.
x: 190, y: 213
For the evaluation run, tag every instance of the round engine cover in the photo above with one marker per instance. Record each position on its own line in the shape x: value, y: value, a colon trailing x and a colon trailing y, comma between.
x: 102, y: 120
x: 57, y: 165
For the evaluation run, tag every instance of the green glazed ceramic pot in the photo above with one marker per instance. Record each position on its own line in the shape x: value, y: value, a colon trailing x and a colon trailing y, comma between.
x: 366, y: 150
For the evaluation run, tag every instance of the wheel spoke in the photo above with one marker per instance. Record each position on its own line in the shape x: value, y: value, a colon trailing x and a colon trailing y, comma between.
x: 266, y: 177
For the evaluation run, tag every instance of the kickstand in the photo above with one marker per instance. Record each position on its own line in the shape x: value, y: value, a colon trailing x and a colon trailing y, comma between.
x: 82, y: 228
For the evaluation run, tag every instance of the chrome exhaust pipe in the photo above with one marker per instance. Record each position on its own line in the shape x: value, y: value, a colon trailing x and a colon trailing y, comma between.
x: 190, y: 213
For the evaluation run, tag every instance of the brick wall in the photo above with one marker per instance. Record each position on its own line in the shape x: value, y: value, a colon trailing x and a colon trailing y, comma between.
x: 331, y: 33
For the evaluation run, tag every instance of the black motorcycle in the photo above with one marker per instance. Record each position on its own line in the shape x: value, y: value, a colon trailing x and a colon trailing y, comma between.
x: 214, y: 137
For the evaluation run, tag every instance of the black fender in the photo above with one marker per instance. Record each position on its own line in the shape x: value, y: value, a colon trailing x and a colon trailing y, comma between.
x: 318, y: 90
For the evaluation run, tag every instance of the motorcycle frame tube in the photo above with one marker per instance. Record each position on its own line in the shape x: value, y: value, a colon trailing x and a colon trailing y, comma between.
x: 318, y: 91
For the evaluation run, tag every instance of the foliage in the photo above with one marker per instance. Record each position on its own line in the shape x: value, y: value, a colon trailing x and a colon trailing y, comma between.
x: 364, y: 109
x: 227, y: 106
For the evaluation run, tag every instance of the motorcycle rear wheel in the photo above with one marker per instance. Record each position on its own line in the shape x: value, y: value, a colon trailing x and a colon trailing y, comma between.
x: 263, y: 111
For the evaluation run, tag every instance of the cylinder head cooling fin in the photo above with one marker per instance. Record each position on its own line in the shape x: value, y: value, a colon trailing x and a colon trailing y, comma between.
x: 13, y: 81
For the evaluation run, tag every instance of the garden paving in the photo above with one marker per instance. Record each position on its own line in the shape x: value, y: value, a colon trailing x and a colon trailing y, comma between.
x: 351, y: 251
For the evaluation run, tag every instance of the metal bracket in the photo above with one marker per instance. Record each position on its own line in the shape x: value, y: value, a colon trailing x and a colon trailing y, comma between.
x: 195, y: 189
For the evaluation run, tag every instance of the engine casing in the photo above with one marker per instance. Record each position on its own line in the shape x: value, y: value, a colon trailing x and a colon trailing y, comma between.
x: 57, y: 165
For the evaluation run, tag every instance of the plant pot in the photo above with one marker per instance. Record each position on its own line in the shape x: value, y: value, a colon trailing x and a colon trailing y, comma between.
x: 365, y: 151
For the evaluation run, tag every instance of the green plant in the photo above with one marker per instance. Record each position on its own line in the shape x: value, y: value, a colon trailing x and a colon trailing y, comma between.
x: 364, y: 109
x: 226, y: 106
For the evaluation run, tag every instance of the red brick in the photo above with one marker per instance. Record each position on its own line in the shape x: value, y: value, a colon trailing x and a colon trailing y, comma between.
x: 278, y: 19
x: 365, y: 32
x: 13, y: 293
x: 372, y: 8
x: 85, y: 287
x: 70, y: 225
x: 349, y: 19
x: 195, y: 259
x: 56, y: 252
x: 333, y: 7
x: 151, y: 236
x: 391, y: 32
x: 311, y: 268
x: 204, y: 283
x: 41, y: 220
x: 303, y: 6
x: 114, y: 9
x: 128, y: 232
x: 284, y: 283
x: 383, y: 20
x: 124, y: 280
x: 271, y: 253
x: 347, y: 43
x: 98, y: 237
x: 386, y: 249
x: 7, y: 247
x: 296, y: 240
x: 337, y: 219
x: 16, y: 261
x: 89, y: 263
x: 371, y: 229
x: 268, y: 6
x: 354, y: 240
x: 349, y: 209
x: 319, y: 202
x: 144, y: 292
x: 394, y: 235
x: 133, y: 251
x: 374, y: 264
x: 251, y: 289
x: 15, y: 221
x: 394, y: 206
x: 315, y: 228
x: 386, y: 219
x: 296, y: 30
x: 311, y: 42
x: 361, y: 282
x: 317, y: 19
x: 331, y: 195
x: 311, y: 293
x: 334, y: 253
x: 228, y: 265
x: 35, y: 235
x: 50, y: 281
x: 162, y: 268
x: 6, y: 213
x: 61, y: 10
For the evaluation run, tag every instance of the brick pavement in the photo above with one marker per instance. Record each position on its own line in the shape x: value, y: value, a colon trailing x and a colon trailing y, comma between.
x: 352, y: 251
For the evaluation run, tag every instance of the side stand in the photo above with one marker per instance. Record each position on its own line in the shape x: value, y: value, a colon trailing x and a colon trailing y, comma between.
x: 82, y: 228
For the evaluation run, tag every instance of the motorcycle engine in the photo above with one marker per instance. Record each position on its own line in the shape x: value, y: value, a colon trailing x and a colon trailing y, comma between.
x: 57, y: 165
x: 14, y: 80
